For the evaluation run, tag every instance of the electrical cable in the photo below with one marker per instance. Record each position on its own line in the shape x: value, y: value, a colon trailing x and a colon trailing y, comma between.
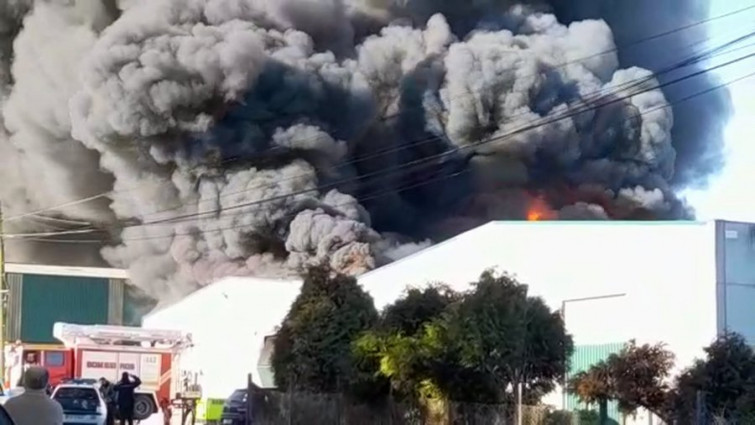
x: 571, y: 113
x: 528, y: 127
x: 387, y: 191
x: 612, y: 50
x: 434, y: 138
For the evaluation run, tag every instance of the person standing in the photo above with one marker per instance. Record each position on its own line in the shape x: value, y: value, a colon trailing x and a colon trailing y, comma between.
x: 125, y: 399
x: 106, y: 389
x: 34, y: 406
x: 167, y: 411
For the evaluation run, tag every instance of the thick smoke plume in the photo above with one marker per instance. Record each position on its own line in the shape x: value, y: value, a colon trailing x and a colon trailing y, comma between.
x: 259, y: 136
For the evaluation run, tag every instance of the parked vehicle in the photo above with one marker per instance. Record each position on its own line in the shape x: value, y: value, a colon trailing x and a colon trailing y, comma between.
x: 234, y: 409
x: 98, y: 351
x: 82, y: 403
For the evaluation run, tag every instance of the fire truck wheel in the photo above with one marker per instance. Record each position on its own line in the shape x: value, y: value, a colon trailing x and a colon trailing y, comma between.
x: 143, y: 407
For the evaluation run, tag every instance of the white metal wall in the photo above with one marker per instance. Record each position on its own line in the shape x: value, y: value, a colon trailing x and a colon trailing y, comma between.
x: 228, y: 322
x: 666, y: 270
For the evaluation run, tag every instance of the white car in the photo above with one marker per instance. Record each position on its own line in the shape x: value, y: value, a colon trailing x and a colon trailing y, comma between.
x: 82, y: 403
x: 13, y: 392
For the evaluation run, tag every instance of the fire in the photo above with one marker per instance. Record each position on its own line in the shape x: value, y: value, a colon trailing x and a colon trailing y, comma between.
x: 534, y: 215
x: 539, y: 210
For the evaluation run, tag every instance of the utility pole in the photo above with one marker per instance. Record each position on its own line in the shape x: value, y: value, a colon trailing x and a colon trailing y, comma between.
x: 2, y: 297
x: 519, y: 414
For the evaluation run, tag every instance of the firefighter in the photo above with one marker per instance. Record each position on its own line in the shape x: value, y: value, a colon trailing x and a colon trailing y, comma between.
x: 108, y: 394
x: 125, y: 390
x: 167, y: 410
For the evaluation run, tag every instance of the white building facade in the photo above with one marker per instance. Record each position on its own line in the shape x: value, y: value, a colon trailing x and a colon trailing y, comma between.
x: 679, y: 283
x: 616, y: 281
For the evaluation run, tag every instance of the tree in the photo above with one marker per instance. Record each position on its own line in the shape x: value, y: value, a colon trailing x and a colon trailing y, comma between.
x: 409, y: 343
x: 725, y: 378
x: 511, y: 337
x: 418, y: 307
x: 558, y: 417
x: 641, y: 377
x: 312, y: 351
x: 637, y: 376
x: 595, y: 386
x: 476, y: 348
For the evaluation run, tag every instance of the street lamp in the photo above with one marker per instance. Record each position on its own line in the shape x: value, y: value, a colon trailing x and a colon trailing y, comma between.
x: 563, y: 318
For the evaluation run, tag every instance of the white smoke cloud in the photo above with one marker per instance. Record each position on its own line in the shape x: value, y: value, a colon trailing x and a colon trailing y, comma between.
x: 259, y: 136
x: 54, y: 40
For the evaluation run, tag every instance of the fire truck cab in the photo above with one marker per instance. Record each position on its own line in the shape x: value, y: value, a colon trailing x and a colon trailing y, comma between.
x: 53, y: 357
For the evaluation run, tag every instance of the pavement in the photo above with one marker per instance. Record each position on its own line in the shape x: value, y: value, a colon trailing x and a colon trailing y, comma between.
x: 156, y: 419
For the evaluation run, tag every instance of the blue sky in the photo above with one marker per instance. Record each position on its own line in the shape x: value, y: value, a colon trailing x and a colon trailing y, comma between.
x: 731, y: 193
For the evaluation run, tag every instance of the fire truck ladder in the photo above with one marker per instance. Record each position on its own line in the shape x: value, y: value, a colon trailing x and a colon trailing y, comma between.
x: 72, y: 335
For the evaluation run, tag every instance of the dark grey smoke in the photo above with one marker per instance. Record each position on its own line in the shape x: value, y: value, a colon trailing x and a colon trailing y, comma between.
x: 698, y: 131
x: 199, y: 117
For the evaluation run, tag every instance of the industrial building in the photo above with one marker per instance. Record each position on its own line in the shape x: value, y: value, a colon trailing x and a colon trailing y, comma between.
x: 680, y: 283
x: 40, y: 295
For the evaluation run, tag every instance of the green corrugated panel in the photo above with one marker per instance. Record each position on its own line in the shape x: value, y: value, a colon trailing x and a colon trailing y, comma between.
x: 50, y: 299
x: 585, y: 356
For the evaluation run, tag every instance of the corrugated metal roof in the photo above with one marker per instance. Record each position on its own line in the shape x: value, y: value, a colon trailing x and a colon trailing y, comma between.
x: 230, y: 283
x: 600, y: 222
x: 521, y: 223
x: 48, y: 270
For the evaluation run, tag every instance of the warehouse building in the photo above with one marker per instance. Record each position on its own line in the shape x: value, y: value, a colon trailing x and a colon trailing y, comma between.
x: 229, y: 322
x: 40, y: 295
x: 680, y: 283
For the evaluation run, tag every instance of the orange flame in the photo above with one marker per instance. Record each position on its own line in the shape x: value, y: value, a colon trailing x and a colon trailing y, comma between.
x: 534, y: 215
x: 539, y: 210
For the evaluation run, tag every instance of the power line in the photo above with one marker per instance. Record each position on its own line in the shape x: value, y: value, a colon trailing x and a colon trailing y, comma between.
x: 375, y: 195
x: 50, y: 222
x: 578, y: 60
x: 389, y: 190
x: 61, y: 206
x: 40, y: 234
x: 531, y: 126
x: 421, y: 161
x: 433, y: 138
x: 595, y: 96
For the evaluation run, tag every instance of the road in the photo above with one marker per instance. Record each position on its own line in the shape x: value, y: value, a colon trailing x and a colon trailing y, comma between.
x: 154, y: 420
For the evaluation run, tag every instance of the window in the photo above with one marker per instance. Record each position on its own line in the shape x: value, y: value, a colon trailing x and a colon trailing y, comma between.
x: 239, y: 396
x: 77, y: 399
x: 31, y: 357
x: 54, y: 359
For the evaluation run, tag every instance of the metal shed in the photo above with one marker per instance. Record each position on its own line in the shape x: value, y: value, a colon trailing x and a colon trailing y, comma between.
x: 40, y: 295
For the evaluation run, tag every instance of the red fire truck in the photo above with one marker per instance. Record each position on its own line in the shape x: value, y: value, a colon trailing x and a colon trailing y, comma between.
x: 19, y: 356
x: 99, y: 351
